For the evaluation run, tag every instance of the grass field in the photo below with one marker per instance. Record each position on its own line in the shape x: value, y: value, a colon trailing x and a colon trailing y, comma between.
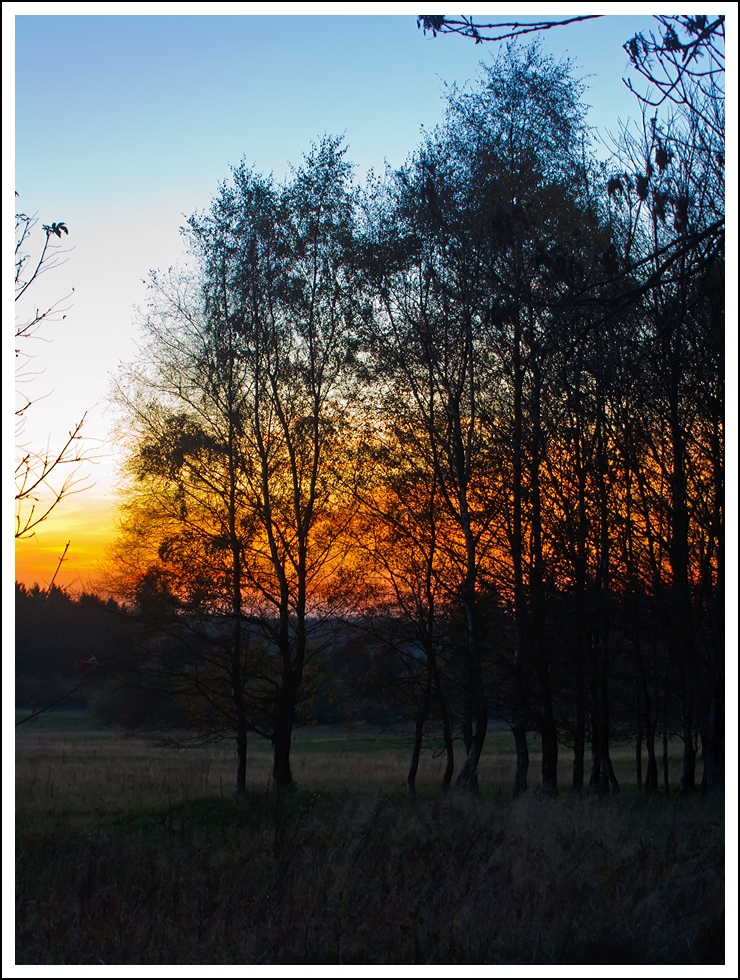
x: 64, y: 749
x: 134, y: 853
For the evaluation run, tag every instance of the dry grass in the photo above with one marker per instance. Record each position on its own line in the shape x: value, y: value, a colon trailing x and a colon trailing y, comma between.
x: 62, y: 761
x: 128, y: 854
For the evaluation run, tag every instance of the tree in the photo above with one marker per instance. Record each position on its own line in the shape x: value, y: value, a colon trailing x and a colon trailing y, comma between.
x: 405, y: 541
x: 43, y: 478
x: 242, y: 456
x: 183, y: 535
x: 663, y: 264
x: 471, y: 244
x: 424, y: 345
x: 677, y: 231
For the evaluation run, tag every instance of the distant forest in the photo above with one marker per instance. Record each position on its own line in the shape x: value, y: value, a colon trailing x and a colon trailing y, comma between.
x: 443, y: 449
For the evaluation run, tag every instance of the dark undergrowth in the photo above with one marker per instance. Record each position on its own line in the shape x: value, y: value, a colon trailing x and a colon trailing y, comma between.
x: 362, y: 878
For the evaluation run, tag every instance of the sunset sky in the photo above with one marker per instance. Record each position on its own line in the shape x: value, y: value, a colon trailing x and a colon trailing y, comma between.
x: 124, y: 125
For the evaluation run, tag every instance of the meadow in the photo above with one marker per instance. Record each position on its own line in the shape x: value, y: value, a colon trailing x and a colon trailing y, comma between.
x: 132, y: 852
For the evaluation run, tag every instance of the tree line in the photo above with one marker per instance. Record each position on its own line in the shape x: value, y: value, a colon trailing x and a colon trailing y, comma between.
x: 470, y: 414
x: 60, y: 641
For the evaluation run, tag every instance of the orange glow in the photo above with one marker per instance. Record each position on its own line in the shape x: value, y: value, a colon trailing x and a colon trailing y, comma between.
x: 87, y: 522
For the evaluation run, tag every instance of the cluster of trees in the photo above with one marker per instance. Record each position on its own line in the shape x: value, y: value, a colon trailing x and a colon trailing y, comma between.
x: 471, y: 412
x: 60, y: 642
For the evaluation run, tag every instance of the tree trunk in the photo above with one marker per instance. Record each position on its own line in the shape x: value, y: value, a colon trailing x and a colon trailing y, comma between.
x: 476, y: 708
x: 415, y: 753
x: 579, y: 728
x: 713, y: 733
x: 538, y: 632
x: 638, y: 741
x: 602, y: 771
x: 241, y: 763
x: 651, y: 772
x: 446, y: 729
x: 419, y: 732
x: 597, y: 783
x: 650, y: 716
x: 603, y: 777
x: 666, y: 781
x: 549, y: 754
x: 688, y: 767
x: 468, y: 777
x: 519, y: 732
x: 237, y: 682
x: 449, y: 753
x: 240, y: 717
x: 521, y: 632
x: 651, y: 721
x: 282, y: 777
x: 713, y: 748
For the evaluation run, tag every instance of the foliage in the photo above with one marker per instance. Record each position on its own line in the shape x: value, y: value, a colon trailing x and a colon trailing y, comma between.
x: 235, y: 418
x: 471, y: 415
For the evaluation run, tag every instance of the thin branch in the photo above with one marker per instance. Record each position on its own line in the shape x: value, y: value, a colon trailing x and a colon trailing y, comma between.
x: 467, y: 27
x: 49, y: 707
x: 33, y: 473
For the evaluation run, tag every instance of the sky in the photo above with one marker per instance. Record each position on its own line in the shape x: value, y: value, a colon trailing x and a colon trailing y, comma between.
x: 125, y: 125
x: 122, y: 125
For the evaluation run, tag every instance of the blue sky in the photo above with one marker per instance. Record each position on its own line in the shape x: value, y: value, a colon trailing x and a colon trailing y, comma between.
x: 124, y: 125
x: 133, y: 110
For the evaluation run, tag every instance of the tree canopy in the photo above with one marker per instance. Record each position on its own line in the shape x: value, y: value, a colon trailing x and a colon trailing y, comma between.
x: 469, y: 414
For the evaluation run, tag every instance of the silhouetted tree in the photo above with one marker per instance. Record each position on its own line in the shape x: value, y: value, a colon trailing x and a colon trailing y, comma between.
x: 238, y: 425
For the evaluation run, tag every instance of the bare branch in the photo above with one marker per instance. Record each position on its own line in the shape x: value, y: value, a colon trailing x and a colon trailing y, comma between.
x: 684, y: 64
x: 34, y: 473
x: 37, y: 492
x: 467, y: 27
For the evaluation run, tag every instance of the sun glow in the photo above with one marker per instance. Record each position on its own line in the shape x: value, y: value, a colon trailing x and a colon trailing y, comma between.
x: 87, y: 522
